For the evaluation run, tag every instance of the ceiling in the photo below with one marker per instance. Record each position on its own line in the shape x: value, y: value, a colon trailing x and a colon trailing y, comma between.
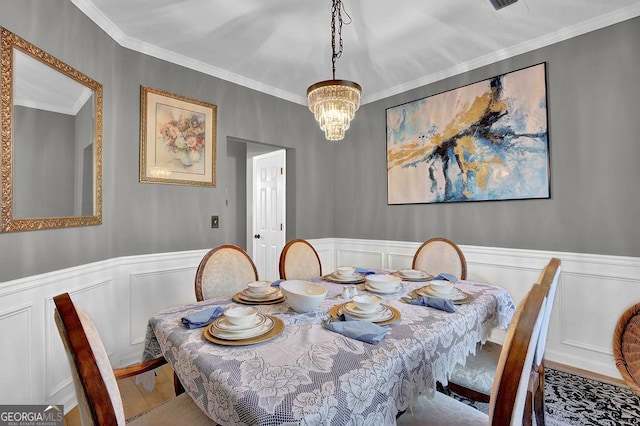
x: 38, y: 85
x: 281, y: 47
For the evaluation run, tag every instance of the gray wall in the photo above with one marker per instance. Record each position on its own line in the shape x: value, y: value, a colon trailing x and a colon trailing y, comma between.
x: 593, y: 92
x: 43, y: 169
x: 141, y: 218
x: 593, y: 88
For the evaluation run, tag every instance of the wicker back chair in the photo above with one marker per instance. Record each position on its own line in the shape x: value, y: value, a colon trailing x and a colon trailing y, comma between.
x: 224, y: 271
x: 299, y: 261
x: 626, y: 341
x: 440, y: 255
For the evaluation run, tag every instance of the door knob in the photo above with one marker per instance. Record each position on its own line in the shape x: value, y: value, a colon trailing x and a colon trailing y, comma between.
x: 256, y: 236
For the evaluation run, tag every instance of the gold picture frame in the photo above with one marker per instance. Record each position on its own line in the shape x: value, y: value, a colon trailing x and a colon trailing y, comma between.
x: 177, y: 139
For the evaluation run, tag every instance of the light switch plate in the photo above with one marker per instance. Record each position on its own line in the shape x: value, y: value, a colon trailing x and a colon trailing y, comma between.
x: 215, y: 222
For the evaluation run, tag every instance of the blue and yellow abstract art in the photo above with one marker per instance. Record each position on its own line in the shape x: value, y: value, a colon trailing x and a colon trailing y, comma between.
x: 484, y: 141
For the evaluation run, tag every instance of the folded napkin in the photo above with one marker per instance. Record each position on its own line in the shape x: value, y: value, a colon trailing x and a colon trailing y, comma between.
x: 433, y: 302
x: 202, y: 318
x: 364, y: 271
x: 448, y: 277
x: 276, y: 283
x: 364, y: 331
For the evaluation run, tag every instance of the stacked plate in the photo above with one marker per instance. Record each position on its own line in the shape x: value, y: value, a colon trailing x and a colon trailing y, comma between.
x: 248, y: 297
x: 391, y: 290
x: 453, y: 294
x: 356, y: 278
x: 413, y: 275
x: 222, y: 328
x: 379, y: 314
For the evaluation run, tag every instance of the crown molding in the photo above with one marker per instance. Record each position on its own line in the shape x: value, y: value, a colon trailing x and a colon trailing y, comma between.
x: 88, y: 8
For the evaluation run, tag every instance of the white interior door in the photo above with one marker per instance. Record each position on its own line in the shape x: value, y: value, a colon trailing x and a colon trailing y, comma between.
x: 269, y: 201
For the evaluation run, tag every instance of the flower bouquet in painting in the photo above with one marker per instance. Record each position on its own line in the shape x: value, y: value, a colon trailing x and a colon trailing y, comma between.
x: 183, y: 134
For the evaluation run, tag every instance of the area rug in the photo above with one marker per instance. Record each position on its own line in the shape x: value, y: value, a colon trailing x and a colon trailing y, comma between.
x: 575, y: 400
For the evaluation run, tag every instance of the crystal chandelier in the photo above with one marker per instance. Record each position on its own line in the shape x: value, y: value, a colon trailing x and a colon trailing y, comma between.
x: 334, y: 102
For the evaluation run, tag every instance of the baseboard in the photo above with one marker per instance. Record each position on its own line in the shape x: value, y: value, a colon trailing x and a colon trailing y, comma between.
x: 585, y: 373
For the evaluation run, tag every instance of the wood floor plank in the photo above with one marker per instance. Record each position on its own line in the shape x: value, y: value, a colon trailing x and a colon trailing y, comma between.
x: 163, y: 389
x: 135, y: 398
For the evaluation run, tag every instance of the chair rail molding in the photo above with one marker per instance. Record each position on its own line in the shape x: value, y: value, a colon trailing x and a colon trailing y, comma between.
x: 593, y: 291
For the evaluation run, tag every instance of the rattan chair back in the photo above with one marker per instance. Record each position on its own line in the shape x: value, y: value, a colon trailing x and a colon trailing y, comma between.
x: 440, y: 255
x: 224, y: 271
x: 626, y: 347
x: 299, y: 261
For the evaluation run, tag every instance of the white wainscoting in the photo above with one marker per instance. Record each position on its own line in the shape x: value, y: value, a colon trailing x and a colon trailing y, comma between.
x: 121, y: 294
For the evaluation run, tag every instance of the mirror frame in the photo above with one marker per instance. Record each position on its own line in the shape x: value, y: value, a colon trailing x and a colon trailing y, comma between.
x: 8, y: 223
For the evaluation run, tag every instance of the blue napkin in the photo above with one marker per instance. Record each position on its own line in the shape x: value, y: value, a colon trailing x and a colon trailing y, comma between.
x: 433, y: 302
x: 364, y: 271
x: 202, y: 318
x: 364, y: 331
x: 448, y: 277
x: 276, y: 283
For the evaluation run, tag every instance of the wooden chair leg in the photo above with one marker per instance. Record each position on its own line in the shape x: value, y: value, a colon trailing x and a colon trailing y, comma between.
x: 177, y: 385
x: 538, y: 399
x: 527, y: 419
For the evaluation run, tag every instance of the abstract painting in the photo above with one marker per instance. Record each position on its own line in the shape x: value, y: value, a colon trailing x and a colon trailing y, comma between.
x: 484, y: 141
x: 177, y: 139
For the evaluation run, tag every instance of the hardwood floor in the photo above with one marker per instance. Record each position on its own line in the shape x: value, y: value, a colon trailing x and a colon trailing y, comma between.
x: 135, y: 397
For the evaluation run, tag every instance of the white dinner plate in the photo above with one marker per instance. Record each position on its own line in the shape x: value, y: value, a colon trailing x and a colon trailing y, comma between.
x: 454, y: 294
x: 339, y: 277
x: 261, y: 296
x: 273, y: 295
x: 412, y: 273
x: 389, y: 291
x: 243, y: 334
x: 351, y: 308
x: 223, y: 324
x: 385, y: 315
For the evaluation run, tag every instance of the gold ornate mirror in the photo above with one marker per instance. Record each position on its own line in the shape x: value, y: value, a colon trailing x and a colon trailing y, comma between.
x: 51, y: 148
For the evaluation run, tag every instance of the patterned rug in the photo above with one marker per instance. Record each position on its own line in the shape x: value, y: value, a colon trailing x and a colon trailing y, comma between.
x: 576, y: 400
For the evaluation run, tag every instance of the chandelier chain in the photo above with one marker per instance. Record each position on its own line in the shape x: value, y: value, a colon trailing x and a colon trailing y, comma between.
x: 336, y: 12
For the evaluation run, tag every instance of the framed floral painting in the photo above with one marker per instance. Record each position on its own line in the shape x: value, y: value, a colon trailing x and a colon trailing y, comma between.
x: 177, y: 139
x: 484, y: 141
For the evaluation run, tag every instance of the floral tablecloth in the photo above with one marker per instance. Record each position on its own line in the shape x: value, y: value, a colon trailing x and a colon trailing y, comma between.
x: 311, y: 376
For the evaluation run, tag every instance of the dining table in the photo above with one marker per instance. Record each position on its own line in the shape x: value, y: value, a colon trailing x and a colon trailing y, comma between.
x: 308, y: 375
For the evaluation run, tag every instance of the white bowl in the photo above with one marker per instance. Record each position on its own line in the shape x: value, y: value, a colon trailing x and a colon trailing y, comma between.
x: 303, y: 296
x: 383, y: 281
x: 346, y: 271
x: 367, y: 302
x: 241, y: 315
x: 259, y: 287
x: 442, y: 286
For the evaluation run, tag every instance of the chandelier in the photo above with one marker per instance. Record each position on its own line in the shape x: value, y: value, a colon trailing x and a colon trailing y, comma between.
x: 334, y: 102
